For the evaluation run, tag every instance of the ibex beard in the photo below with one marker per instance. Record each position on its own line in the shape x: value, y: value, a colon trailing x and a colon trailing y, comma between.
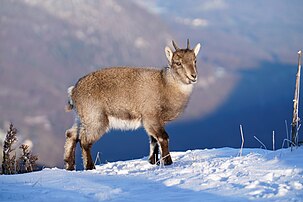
x: 127, y: 98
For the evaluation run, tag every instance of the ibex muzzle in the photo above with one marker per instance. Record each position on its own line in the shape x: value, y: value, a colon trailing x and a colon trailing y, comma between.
x: 127, y: 98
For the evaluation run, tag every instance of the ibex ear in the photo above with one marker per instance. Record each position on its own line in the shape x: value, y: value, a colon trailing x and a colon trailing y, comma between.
x: 169, y: 54
x: 197, y: 48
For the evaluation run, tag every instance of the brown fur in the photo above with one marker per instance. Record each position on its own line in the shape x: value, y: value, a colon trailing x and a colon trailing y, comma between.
x: 124, y: 97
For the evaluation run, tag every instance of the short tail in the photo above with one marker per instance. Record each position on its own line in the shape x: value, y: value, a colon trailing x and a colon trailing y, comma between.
x: 70, y: 105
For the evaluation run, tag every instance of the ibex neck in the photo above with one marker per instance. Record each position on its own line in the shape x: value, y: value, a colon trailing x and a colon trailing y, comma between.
x: 173, y: 80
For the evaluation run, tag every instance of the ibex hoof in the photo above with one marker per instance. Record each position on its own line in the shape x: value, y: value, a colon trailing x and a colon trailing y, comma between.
x: 167, y: 161
x: 154, y: 160
x: 90, y: 167
x: 69, y: 167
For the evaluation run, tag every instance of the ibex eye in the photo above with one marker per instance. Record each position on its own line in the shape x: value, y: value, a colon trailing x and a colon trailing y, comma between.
x: 178, y: 63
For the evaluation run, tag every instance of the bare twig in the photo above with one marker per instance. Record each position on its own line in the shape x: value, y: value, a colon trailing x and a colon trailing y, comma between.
x: 161, y: 159
x: 260, y: 142
x: 242, y: 144
x: 287, y: 134
x: 27, y: 160
x: 273, y: 140
x: 98, y: 159
x: 289, y: 142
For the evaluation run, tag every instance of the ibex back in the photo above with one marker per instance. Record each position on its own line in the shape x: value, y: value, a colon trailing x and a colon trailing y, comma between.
x: 127, y: 98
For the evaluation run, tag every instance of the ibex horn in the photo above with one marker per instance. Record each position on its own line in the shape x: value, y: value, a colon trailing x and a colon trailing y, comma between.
x: 188, y: 46
x: 175, y: 46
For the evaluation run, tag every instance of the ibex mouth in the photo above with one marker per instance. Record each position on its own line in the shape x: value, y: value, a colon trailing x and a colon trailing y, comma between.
x: 192, y: 80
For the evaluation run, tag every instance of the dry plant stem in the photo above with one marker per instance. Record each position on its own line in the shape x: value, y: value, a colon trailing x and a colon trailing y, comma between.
x: 295, y: 118
x: 8, y: 162
x: 260, y: 142
x: 287, y: 140
x: 161, y: 160
x: 242, y: 144
x: 273, y: 140
x: 97, y: 159
x: 11, y: 164
x: 287, y: 134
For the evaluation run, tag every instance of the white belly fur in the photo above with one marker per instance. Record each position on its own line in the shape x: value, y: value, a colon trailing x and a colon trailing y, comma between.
x: 116, y: 123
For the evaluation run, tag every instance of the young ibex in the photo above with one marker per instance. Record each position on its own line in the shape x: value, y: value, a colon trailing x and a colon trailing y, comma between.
x: 126, y: 98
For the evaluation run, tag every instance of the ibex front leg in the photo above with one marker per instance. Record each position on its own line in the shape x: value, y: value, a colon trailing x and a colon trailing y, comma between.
x: 158, y: 132
x: 154, y: 151
x: 163, y: 140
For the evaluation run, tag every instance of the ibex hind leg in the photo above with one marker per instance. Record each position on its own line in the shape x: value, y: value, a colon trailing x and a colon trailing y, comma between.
x: 87, y: 157
x: 88, y: 137
x: 70, y: 148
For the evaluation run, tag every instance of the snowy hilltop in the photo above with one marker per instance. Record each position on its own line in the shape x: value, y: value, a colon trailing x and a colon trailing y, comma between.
x: 197, y: 175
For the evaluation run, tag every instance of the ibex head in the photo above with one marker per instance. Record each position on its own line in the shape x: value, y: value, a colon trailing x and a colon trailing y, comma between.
x: 183, y: 62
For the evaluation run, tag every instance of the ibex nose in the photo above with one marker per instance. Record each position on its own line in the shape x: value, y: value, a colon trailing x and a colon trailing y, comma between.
x: 193, y: 78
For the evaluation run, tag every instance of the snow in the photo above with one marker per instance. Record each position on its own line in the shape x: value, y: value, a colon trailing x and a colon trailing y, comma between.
x: 197, y: 175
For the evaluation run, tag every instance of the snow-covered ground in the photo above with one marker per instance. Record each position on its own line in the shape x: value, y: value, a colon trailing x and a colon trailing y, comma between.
x: 198, y: 175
